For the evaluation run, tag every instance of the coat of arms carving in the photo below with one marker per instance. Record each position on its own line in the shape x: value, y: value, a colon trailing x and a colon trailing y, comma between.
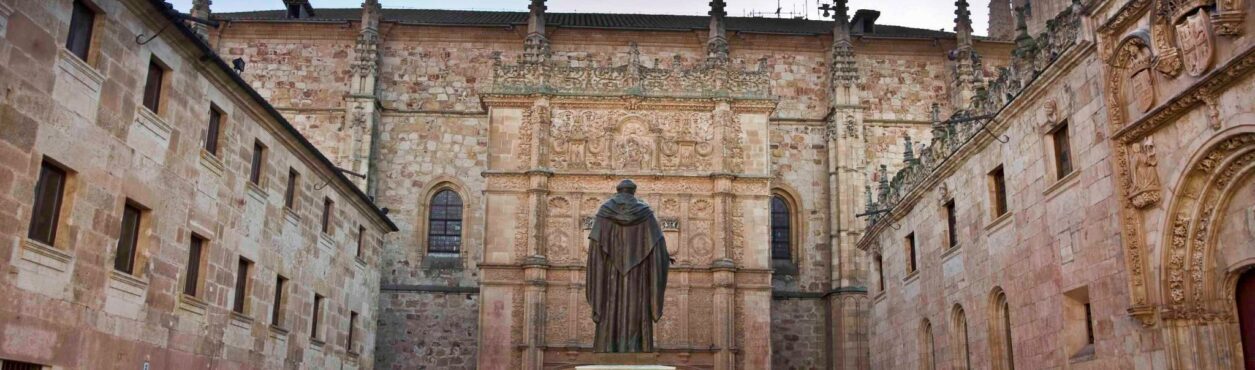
x: 1194, y: 37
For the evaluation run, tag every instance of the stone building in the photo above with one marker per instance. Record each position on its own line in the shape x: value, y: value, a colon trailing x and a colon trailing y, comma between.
x: 159, y: 213
x: 1013, y: 183
x: 1095, y: 210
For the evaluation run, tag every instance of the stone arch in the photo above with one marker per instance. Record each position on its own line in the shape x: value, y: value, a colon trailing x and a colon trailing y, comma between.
x: 960, y: 338
x: 927, y: 346
x: 1131, y: 69
x: 423, y: 208
x: 1199, y: 317
x: 1001, y: 343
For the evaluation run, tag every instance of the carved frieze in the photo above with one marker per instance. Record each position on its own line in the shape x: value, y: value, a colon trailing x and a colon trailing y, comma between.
x: 632, y: 140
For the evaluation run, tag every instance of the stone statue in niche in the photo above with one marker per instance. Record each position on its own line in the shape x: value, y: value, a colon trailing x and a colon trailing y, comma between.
x: 1146, y: 188
x: 627, y: 273
x: 1194, y: 36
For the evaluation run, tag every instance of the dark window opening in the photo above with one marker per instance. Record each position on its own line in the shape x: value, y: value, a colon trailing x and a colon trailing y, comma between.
x: 46, y: 213
x: 952, y: 235
x: 128, y: 240
x: 327, y: 207
x: 18, y: 365
x: 349, y: 345
x: 213, y: 131
x: 82, y: 23
x: 910, y: 253
x: 315, y: 317
x: 998, y: 190
x: 444, y: 233
x: 195, y: 252
x: 1063, y: 151
x: 276, y: 315
x: 781, y: 230
x: 361, y: 240
x: 152, y: 86
x: 259, y: 155
x: 1089, y: 325
x: 241, y: 286
x: 289, y: 195
x: 880, y: 273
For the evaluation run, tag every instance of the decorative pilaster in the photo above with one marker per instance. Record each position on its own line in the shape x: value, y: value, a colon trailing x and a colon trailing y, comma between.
x: 717, y: 42
x: 361, y: 116
x: 200, y: 9
x: 536, y: 46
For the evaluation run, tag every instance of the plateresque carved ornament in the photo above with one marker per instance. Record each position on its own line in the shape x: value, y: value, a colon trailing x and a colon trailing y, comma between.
x: 1194, y: 36
x: 1146, y: 188
x: 1134, y: 59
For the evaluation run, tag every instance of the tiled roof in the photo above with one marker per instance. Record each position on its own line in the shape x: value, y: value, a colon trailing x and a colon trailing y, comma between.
x: 583, y: 20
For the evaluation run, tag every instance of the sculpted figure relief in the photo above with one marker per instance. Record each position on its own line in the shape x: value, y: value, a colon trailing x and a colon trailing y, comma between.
x: 627, y: 273
x: 1145, y: 179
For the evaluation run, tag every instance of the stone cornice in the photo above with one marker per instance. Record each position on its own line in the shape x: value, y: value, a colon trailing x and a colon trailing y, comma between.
x: 493, y: 100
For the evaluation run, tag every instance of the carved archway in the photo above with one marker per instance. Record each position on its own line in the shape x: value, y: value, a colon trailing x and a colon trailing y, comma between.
x: 1197, y: 310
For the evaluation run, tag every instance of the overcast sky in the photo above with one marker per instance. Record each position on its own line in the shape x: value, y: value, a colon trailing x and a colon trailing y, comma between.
x: 932, y: 14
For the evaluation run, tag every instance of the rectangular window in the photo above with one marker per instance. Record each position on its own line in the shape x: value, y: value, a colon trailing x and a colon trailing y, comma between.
x: 350, y: 345
x: 213, y: 132
x: 259, y: 156
x: 998, y: 191
x: 315, y: 318
x: 241, y: 285
x: 46, y: 212
x: 289, y: 195
x: 152, y: 86
x: 82, y: 23
x: 1063, y: 151
x: 910, y: 253
x: 1089, y: 325
x: 195, y: 251
x: 952, y: 234
x: 128, y: 240
x: 361, y: 240
x: 18, y: 365
x: 880, y: 273
x: 327, y: 206
x: 276, y: 313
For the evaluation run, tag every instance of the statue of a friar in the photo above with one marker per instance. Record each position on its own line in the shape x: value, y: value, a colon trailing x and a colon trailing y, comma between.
x: 627, y: 273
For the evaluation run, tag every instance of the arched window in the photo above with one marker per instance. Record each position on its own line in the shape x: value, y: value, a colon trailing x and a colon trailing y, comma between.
x: 444, y: 223
x: 926, y: 347
x: 781, y: 229
x: 962, y: 359
x: 1000, y: 331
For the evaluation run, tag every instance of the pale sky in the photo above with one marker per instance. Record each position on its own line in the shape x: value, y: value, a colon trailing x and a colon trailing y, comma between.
x: 930, y: 14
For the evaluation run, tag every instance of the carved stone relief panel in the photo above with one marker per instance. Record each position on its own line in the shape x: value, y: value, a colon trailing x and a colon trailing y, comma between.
x: 1194, y: 36
x: 1146, y: 189
x: 631, y: 140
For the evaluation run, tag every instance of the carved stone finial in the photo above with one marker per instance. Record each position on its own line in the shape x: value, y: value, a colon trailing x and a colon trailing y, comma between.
x: 717, y: 43
x: 1024, y: 43
x: 536, y: 45
x: 908, y: 153
x: 963, y: 23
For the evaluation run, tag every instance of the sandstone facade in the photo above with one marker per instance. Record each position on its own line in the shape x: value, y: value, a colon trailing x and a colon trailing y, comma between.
x: 68, y: 305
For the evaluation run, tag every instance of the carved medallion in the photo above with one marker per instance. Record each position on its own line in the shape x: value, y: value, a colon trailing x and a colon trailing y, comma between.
x: 1194, y: 37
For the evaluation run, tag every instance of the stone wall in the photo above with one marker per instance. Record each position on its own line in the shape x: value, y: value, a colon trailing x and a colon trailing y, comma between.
x: 67, y: 305
x: 798, y: 330
x: 427, y: 330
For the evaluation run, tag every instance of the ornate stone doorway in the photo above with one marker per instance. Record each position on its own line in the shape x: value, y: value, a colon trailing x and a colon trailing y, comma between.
x: 1246, y: 315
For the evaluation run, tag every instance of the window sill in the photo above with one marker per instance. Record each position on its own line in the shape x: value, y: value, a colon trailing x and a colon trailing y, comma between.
x: 240, y: 320
x: 85, y: 73
x: 1085, y: 354
x: 316, y: 344
x: 950, y: 252
x: 291, y: 217
x: 192, y: 305
x: 211, y: 162
x: 154, y: 123
x: 45, y: 255
x: 880, y: 296
x: 127, y: 283
x: 360, y: 262
x: 255, y: 191
x: 1059, y: 186
x: 278, y: 332
x: 325, y: 241
x: 911, y: 277
x: 353, y: 355
x: 998, y: 223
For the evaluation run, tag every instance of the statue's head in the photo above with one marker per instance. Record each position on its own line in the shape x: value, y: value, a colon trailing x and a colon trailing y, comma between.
x: 626, y: 186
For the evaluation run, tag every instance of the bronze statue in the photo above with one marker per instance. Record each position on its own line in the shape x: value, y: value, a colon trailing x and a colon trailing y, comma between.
x: 627, y: 273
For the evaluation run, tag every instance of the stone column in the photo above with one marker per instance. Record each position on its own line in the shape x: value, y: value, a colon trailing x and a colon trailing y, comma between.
x: 361, y: 115
x: 846, y: 163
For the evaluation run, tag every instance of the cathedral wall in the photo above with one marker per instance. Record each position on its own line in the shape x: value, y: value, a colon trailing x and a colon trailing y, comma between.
x: 798, y: 333
x: 433, y: 330
x: 1058, y: 244
x: 67, y: 305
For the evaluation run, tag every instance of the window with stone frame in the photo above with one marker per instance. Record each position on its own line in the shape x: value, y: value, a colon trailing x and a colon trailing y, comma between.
x: 49, y: 198
x: 1061, y: 142
x: 962, y: 354
x: 350, y: 344
x: 259, y: 160
x: 289, y: 194
x: 909, y: 242
x: 82, y: 25
x: 361, y: 241
x: 952, y: 231
x: 213, y: 132
x: 1078, y: 326
x: 328, y: 206
x: 195, y: 265
x: 1002, y: 346
x: 315, y: 317
x: 928, y: 348
x: 444, y: 223
x: 153, y: 85
x: 880, y: 273
x: 243, y: 286
x: 998, y: 192
x: 781, y: 229
x: 124, y: 259
x: 276, y: 307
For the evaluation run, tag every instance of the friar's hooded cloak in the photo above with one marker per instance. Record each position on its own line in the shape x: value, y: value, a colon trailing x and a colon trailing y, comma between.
x: 627, y: 273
